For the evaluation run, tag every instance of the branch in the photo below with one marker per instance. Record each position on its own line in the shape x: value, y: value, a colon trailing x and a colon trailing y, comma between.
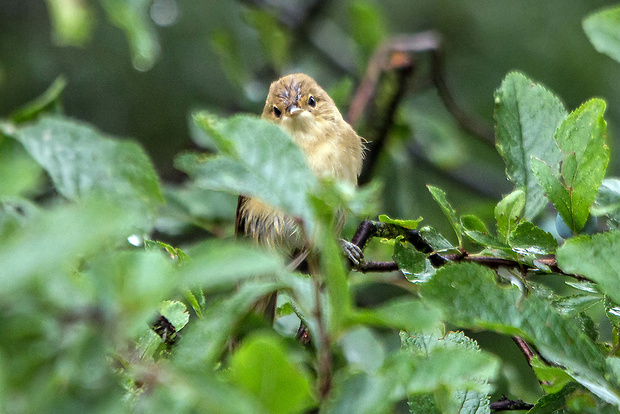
x: 369, y: 229
x: 504, y: 404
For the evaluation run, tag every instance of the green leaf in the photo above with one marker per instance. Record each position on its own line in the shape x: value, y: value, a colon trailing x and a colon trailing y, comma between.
x: 175, y: 312
x: 572, y: 189
x: 486, y: 240
x: 48, y: 102
x: 401, y: 313
x: 133, y: 18
x: 527, y: 238
x: 258, y: 159
x: 608, y: 202
x: 435, y: 239
x: 358, y: 392
x: 552, y: 379
x: 408, y: 224
x: 594, y: 258
x: 409, y: 260
x: 205, y: 340
x: 526, y: 117
x: 19, y: 173
x: 440, y: 198
x: 603, y: 31
x: 508, y: 212
x: 59, y: 236
x: 82, y: 161
x: 473, y: 223
x: 363, y: 349
x: 273, y: 39
x: 424, y: 344
x: 470, y: 297
x: 555, y: 402
x: 368, y: 27
x: 216, y: 264
x: 72, y: 21
x: 227, y: 49
x: 262, y: 367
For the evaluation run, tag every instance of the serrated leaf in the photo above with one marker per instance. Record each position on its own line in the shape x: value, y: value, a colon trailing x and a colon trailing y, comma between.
x: 572, y: 189
x: 603, y: 31
x: 486, y: 240
x: 526, y: 117
x: 408, y: 224
x: 508, y: 212
x: 82, y: 161
x: 555, y: 402
x: 471, y: 298
x: 527, y: 238
x: 259, y: 160
x: 469, y: 402
x: 595, y: 258
x: 262, y: 368
x: 440, y: 198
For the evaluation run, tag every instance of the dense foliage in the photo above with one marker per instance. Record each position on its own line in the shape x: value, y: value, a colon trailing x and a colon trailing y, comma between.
x: 104, y: 312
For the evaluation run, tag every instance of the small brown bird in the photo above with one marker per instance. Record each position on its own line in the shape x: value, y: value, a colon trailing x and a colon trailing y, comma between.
x: 298, y: 105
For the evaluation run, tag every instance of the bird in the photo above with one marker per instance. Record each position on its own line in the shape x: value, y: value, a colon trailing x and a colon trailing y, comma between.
x: 331, y: 148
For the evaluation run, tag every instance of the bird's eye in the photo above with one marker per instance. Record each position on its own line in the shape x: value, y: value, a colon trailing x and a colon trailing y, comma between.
x: 277, y: 112
x: 311, y: 101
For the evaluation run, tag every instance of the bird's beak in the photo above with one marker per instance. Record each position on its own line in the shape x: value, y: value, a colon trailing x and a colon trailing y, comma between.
x: 294, y: 109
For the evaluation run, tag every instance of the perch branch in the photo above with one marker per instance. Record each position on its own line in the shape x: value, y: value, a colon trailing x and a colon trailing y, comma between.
x: 504, y: 404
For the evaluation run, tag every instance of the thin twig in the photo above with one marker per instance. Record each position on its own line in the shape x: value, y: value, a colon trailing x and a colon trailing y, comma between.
x: 324, y: 367
x: 510, y: 405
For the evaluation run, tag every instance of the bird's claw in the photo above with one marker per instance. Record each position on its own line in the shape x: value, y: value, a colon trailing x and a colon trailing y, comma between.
x: 353, y: 253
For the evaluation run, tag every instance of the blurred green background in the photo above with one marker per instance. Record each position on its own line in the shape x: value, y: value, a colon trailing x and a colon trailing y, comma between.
x: 139, y: 68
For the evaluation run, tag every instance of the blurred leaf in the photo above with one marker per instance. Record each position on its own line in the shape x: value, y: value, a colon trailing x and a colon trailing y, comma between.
x: 72, y: 21
x: 408, y: 224
x: 360, y: 393
x: 526, y: 117
x: 174, y: 252
x: 175, y: 312
x: 368, y: 27
x: 603, y: 31
x: 595, y: 258
x: 131, y: 284
x: 48, y: 102
x: 19, y: 173
x: 508, y: 212
x: 81, y: 161
x: 258, y: 159
x: 527, y: 238
x: 608, y: 202
x: 363, y: 349
x: 205, y: 340
x: 226, y: 47
x: 14, y: 214
x: 401, y: 313
x: 52, y: 238
x: 273, y: 39
x: 572, y: 305
x: 261, y: 367
x: 216, y: 264
x: 440, y: 198
x: 471, y: 298
x: 572, y: 188
x: 132, y: 17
